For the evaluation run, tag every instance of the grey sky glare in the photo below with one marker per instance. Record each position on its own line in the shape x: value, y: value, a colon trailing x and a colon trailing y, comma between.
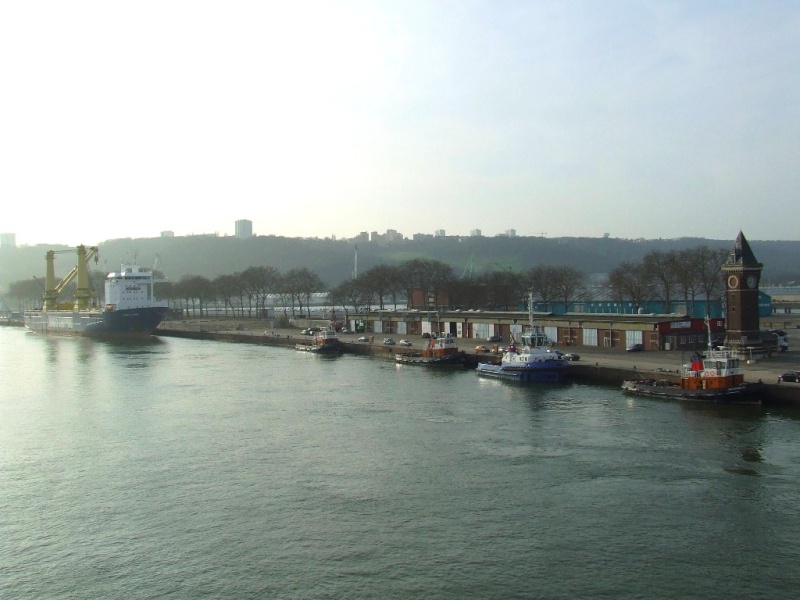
x: 577, y: 118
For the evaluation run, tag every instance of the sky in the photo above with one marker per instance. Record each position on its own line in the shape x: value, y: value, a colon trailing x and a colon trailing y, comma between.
x: 632, y: 118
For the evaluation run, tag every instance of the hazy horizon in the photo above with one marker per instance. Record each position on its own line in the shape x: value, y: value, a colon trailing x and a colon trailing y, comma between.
x: 636, y: 118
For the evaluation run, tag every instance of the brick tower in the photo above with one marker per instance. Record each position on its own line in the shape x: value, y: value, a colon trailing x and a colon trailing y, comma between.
x: 742, y: 273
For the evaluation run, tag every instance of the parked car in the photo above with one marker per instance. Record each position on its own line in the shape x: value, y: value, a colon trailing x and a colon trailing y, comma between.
x: 404, y: 343
x: 790, y: 376
x: 388, y: 342
x: 571, y: 356
x: 426, y: 336
x: 495, y: 338
x: 481, y: 349
x: 635, y: 348
x: 363, y: 338
x: 558, y: 353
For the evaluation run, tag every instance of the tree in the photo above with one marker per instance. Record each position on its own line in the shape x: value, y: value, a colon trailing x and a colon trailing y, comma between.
x: 568, y: 285
x: 258, y: 283
x: 502, y: 289
x: 430, y: 277
x: 709, y: 272
x: 26, y: 293
x: 302, y: 283
x: 661, y: 268
x: 227, y: 288
x: 197, y: 291
x: 630, y: 282
x: 540, y: 283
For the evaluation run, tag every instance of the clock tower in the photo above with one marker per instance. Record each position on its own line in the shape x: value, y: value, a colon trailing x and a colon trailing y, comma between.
x: 741, y: 273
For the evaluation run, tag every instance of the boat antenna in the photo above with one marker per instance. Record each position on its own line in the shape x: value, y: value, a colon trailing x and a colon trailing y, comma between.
x: 708, y: 332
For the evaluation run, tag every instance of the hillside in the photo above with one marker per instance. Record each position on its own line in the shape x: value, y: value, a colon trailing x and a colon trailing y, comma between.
x: 333, y: 260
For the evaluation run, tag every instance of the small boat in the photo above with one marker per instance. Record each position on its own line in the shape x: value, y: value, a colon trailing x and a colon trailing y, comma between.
x: 532, y: 361
x: 439, y: 352
x: 716, y: 376
x: 325, y: 341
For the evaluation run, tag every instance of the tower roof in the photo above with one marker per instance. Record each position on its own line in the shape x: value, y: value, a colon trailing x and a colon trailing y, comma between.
x: 742, y: 254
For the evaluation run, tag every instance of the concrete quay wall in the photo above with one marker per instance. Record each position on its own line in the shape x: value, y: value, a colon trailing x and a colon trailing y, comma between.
x: 596, y: 366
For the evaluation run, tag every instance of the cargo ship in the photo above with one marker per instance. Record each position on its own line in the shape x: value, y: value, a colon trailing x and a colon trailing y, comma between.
x: 130, y: 310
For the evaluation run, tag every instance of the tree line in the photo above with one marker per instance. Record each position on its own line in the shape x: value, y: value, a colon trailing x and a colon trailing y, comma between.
x: 431, y: 284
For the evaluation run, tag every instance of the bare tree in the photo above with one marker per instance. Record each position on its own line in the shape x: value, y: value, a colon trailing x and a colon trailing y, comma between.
x: 197, y: 291
x: 630, y: 282
x: 709, y: 272
x: 661, y: 268
x: 229, y: 287
x: 302, y: 283
x: 540, y: 283
x: 568, y: 285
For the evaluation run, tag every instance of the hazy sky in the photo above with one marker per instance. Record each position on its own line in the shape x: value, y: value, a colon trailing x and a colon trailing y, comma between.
x: 568, y: 118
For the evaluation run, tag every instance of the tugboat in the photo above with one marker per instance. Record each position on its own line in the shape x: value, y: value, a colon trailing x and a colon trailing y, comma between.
x: 531, y: 361
x: 325, y: 341
x: 131, y: 309
x: 716, y: 376
x: 441, y: 351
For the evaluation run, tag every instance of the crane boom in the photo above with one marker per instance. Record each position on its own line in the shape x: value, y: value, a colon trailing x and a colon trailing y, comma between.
x: 81, y: 270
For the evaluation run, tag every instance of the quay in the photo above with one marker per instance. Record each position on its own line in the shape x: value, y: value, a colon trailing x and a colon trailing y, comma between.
x: 596, y: 365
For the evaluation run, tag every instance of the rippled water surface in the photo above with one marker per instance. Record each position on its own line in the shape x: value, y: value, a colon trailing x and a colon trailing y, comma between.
x: 189, y: 469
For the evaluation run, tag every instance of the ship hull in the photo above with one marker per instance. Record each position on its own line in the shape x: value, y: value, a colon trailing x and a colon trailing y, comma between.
x: 450, y: 360
x: 127, y: 323
x: 319, y: 349
x: 744, y: 393
x: 543, y: 374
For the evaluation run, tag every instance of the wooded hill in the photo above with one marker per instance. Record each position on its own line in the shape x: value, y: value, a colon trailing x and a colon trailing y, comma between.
x: 334, y: 260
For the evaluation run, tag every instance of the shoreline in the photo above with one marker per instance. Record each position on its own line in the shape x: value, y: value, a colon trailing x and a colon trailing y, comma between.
x: 596, y: 365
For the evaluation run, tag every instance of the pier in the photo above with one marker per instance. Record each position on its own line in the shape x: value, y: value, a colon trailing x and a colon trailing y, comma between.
x: 596, y: 366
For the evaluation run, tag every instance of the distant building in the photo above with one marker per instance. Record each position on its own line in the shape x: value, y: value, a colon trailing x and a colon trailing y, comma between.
x: 8, y: 240
x: 511, y: 232
x: 439, y: 233
x: 168, y: 233
x: 362, y: 237
x: 475, y: 233
x: 244, y: 229
x: 393, y: 235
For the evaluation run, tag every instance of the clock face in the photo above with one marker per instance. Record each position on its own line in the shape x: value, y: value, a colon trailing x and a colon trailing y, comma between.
x: 733, y: 281
x: 751, y: 281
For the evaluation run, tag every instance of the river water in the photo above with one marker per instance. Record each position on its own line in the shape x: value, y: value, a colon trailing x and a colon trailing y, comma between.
x: 193, y: 469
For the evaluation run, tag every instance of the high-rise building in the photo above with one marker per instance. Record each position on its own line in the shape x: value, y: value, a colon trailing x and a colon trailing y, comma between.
x: 244, y: 229
x: 8, y: 240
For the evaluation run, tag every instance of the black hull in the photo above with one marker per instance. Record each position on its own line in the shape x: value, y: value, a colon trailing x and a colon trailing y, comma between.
x: 451, y: 360
x: 746, y: 393
x: 117, y: 324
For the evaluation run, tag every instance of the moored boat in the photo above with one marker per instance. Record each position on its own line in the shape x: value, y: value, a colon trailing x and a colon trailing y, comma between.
x: 716, y: 376
x: 531, y: 361
x: 441, y: 351
x: 325, y: 341
x: 130, y: 311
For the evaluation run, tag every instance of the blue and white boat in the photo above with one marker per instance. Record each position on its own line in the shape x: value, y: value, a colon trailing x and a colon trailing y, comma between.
x: 530, y: 360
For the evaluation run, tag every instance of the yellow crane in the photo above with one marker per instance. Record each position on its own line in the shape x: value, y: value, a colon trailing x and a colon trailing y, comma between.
x: 82, y: 292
